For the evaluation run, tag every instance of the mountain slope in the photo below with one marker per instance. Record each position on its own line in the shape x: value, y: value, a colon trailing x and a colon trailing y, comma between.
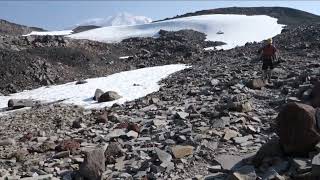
x: 9, y: 28
x: 288, y: 16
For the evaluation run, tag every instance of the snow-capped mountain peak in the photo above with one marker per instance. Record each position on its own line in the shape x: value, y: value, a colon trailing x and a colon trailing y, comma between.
x: 117, y: 20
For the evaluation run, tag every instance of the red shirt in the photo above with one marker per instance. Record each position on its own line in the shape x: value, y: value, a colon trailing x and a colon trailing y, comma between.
x: 269, y: 50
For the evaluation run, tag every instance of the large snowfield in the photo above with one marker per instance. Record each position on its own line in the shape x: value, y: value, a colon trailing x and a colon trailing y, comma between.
x: 237, y: 29
x: 129, y: 84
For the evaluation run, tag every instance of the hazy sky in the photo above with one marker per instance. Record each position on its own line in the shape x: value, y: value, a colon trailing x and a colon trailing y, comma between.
x: 53, y: 15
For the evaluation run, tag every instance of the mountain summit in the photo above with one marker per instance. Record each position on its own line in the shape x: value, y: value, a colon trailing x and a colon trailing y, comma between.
x: 117, y: 20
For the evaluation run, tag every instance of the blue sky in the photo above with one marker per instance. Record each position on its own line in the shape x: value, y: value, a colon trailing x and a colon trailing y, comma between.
x: 54, y: 15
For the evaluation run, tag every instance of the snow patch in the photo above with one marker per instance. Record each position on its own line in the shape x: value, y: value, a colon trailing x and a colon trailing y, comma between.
x: 237, y: 29
x: 125, y: 57
x: 50, y: 33
x: 124, y: 83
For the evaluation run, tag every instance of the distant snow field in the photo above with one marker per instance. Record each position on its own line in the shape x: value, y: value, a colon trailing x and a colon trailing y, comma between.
x: 129, y: 84
x: 235, y: 30
x: 50, y: 33
x: 119, y: 19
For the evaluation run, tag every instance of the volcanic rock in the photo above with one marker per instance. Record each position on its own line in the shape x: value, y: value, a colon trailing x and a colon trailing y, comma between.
x: 297, y: 129
x: 93, y: 165
x: 109, y: 96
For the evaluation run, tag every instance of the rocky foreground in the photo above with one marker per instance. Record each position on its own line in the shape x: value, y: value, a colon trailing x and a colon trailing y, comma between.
x: 206, y: 122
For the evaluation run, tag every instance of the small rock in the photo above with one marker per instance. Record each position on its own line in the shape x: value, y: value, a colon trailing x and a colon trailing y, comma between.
x: 163, y: 155
x: 240, y: 140
x: 272, y: 174
x: 41, y: 177
x: 62, y: 154
x: 256, y: 84
x: 159, y: 123
x: 68, y: 145
x: 21, y: 155
x: 119, y: 165
x: 229, y: 134
x: 76, y: 124
x: 81, y: 82
x: 133, y: 134
x: 182, y: 115
x: 41, y: 139
x: 7, y: 142
x: 244, y: 173
x: 214, y: 82
x: 116, y: 133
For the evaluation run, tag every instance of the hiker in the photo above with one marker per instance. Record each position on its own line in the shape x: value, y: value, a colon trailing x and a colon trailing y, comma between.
x: 268, y: 56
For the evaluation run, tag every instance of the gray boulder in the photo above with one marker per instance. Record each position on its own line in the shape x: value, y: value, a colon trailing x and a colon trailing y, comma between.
x: 93, y: 165
x: 20, y: 103
x: 109, y: 96
x: 97, y: 94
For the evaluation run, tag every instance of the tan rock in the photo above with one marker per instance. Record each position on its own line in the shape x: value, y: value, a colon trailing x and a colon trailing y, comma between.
x: 182, y: 151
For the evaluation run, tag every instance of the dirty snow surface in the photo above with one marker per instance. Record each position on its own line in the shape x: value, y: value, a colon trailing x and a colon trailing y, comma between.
x: 129, y: 84
x: 235, y: 30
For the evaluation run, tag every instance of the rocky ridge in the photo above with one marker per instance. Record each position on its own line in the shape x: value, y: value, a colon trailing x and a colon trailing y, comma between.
x: 285, y: 15
x: 8, y: 28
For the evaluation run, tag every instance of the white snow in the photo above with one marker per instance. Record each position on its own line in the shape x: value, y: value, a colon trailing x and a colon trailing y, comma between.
x: 119, y: 19
x: 237, y: 29
x: 145, y: 80
x: 124, y: 57
x: 50, y: 33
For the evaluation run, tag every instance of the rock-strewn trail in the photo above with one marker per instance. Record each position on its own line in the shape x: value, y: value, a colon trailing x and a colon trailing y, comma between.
x: 205, y: 122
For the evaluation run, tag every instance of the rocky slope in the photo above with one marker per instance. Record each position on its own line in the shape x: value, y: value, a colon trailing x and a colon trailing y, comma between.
x: 44, y: 60
x: 287, y: 16
x: 8, y: 28
x: 202, y: 124
x: 84, y: 28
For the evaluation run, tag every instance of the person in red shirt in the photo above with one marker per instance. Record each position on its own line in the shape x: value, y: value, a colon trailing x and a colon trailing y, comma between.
x: 269, y: 55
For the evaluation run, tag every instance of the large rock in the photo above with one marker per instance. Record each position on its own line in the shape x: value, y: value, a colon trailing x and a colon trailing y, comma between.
x: 256, y: 84
x: 93, y: 165
x: 113, y: 152
x: 297, y: 130
x: 20, y: 103
x: 316, y: 165
x: 182, y: 151
x: 109, y: 96
x: 97, y: 94
x: 315, y: 95
x: 271, y: 149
